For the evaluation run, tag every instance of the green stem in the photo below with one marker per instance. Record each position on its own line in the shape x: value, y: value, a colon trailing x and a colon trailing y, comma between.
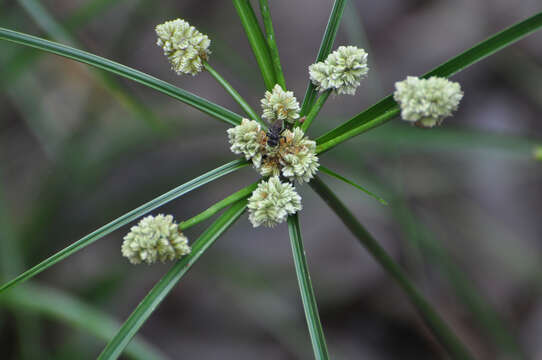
x: 212, y: 210
x: 441, y: 330
x: 307, y: 293
x: 325, y: 48
x: 234, y: 94
x: 257, y: 41
x: 315, y: 109
x: 271, y: 43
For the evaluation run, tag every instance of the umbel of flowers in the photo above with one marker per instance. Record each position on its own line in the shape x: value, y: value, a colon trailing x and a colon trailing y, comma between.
x: 155, y: 238
x: 185, y: 47
x: 342, y: 70
x: 426, y: 102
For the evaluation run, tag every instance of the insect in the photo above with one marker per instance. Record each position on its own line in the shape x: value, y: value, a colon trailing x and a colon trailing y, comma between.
x: 274, y: 133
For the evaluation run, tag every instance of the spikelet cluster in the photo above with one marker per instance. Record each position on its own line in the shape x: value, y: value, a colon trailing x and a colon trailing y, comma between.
x: 185, y: 47
x: 426, y: 102
x: 280, y: 105
x: 342, y: 70
x: 294, y: 157
x: 272, y: 202
x: 155, y: 238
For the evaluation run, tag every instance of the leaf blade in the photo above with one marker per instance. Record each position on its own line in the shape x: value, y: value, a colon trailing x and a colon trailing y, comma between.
x: 184, y: 96
x: 124, y: 219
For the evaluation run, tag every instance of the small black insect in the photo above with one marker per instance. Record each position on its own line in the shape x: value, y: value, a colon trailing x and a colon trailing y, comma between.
x: 274, y: 133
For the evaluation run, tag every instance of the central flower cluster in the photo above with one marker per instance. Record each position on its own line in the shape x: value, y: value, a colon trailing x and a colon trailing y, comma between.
x: 284, y: 155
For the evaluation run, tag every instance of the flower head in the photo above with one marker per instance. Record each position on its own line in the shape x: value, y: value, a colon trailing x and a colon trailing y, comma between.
x: 342, y: 70
x: 294, y: 157
x: 248, y: 139
x: 427, y: 101
x: 272, y: 202
x: 280, y: 105
x: 185, y: 47
x: 155, y: 238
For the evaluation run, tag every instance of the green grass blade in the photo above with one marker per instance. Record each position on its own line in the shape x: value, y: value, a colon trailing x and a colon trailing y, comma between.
x: 212, y: 210
x: 234, y: 94
x: 63, y: 307
x: 315, y: 109
x: 57, y: 32
x: 325, y: 48
x: 342, y: 178
x: 387, y: 108
x: 125, y: 219
x: 272, y: 43
x: 151, y: 301
x: 442, y: 332
x: 307, y: 293
x: 188, y: 98
x: 257, y: 41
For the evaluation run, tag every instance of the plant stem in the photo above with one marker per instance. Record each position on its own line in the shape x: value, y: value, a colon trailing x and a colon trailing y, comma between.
x: 307, y: 293
x: 325, y: 48
x: 271, y: 43
x: 315, y: 109
x: 443, y: 333
x: 234, y: 94
x: 257, y: 41
x: 204, y: 215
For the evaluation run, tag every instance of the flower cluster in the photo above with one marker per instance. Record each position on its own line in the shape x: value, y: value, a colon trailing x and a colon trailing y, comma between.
x: 280, y: 105
x: 272, y: 202
x: 426, y: 102
x: 185, y: 47
x: 155, y: 238
x: 294, y: 157
x: 342, y: 70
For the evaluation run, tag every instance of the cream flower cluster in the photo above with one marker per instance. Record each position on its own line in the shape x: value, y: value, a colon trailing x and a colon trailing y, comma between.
x: 294, y: 157
x: 155, y: 238
x: 280, y: 105
x: 185, y: 47
x: 426, y: 102
x: 342, y: 70
x: 272, y: 202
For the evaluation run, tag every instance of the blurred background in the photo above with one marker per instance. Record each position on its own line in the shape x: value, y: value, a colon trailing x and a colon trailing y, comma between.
x: 79, y: 148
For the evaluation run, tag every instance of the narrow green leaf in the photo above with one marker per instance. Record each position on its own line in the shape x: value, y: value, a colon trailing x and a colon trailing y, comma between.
x: 443, y: 333
x: 188, y: 98
x: 342, y: 178
x: 257, y: 41
x: 307, y: 293
x: 271, y: 43
x: 63, y: 307
x: 387, y: 108
x: 233, y: 93
x: 151, y: 301
x: 58, y: 33
x: 212, y: 210
x: 125, y: 219
x: 325, y: 48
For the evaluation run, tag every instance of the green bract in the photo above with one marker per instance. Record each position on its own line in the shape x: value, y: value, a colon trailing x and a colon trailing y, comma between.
x: 155, y: 238
x: 272, y: 202
x: 185, y: 47
x: 427, y: 101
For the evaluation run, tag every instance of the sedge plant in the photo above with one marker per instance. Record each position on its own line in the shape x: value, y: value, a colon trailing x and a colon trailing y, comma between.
x: 273, y: 141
